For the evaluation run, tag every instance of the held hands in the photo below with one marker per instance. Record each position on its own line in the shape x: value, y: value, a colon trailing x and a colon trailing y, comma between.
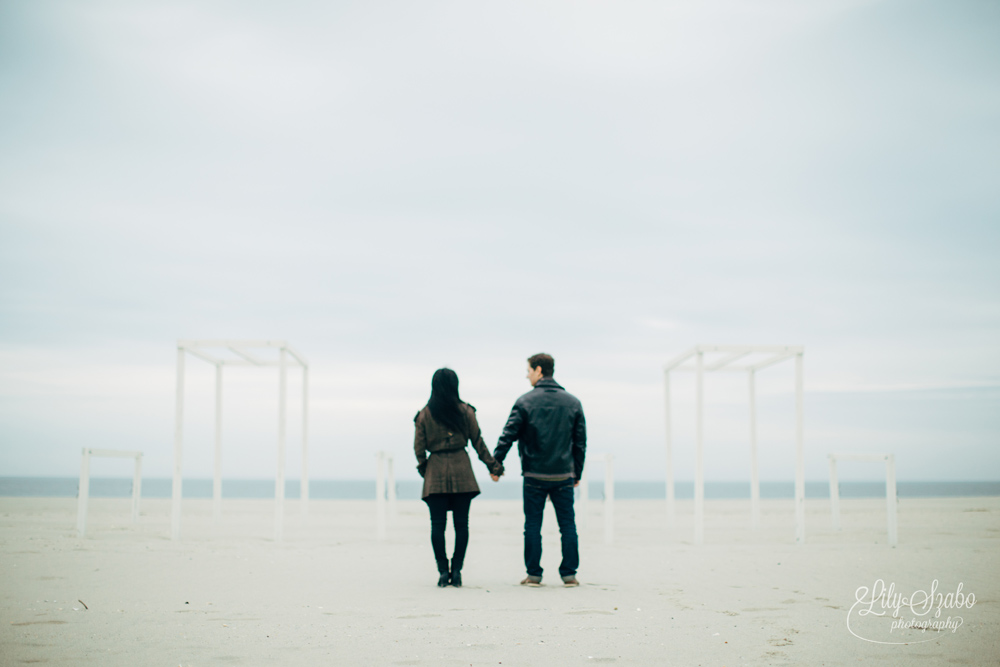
x: 495, y: 478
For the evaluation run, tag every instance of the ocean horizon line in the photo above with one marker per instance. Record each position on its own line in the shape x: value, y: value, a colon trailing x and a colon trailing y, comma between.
x: 409, y: 489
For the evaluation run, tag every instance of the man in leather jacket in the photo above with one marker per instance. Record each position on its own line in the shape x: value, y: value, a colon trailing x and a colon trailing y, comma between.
x: 551, y: 435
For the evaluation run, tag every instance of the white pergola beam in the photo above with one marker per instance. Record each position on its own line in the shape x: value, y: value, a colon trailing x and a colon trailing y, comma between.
x: 298, y: 357
x: 776, y: 359
x: 762, y: 349
x: 256, y: 361
x: 242, y: 362
x: 204, y: 357
x: 680, y: 359
x: 725, y: 361
x: 227, y: 343
x: 734, y: 353
x: 870, y: 458
x: 113, y: 453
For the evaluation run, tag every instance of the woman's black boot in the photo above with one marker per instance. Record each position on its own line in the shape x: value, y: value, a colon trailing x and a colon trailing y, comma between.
x: 445, y: 577
x: 456, y: 574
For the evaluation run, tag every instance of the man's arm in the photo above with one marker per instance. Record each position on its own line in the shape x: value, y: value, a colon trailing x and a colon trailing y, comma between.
x: 511, y: 432
x: 579, y: 444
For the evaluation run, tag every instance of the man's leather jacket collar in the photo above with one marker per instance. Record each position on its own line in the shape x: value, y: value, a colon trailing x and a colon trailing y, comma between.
x: 548, y: 383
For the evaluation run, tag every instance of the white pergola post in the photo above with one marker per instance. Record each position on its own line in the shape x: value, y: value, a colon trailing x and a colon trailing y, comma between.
x: 84, y: 494
x: 834, y: 493
x: 609, y: 495
x: 304, y: 493
x: 136, y: 488
x: 890, y: 490
x: 217, y: 477
x: 699, y: 464
x: 800, y: 462
x: 380, y: 495
x: 609, y: 498
x: 205, y: 350
x: 754, y: 476
x: 890, y: 499
x: 671, y: 512
x: 279, y: 482
x: 175, y: 501
x: 773, y: 354
x: 390, y: 487
x: 83, y: 498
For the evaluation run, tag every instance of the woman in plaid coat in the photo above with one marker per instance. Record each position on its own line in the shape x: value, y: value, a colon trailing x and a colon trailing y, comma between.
x: 443, y: 428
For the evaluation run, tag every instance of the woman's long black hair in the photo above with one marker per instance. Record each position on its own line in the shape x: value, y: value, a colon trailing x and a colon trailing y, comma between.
x: 444, y: 403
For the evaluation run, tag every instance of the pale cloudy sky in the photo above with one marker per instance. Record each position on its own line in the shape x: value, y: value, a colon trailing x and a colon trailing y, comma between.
x: 397, y: 186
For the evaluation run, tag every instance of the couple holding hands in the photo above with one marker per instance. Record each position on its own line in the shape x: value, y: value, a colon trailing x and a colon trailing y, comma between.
x: 551, y: 433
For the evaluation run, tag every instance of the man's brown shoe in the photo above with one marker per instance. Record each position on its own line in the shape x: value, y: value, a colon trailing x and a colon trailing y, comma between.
x: 529, y: 581
x: 570, y: 582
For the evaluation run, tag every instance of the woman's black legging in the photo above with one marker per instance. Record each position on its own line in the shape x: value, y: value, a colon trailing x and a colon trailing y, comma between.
x: 440, y: 504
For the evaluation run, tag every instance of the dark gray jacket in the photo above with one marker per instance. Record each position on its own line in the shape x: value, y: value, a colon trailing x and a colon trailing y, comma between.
x: 550, y: 430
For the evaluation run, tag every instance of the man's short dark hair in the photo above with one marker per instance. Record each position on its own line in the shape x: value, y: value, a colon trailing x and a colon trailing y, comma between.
x: 546, y: 361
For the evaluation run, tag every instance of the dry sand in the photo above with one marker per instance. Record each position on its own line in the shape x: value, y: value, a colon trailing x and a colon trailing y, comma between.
x: 332, y: 594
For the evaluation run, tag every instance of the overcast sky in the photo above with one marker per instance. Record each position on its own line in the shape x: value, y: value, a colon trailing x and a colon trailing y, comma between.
x: 397, y: 186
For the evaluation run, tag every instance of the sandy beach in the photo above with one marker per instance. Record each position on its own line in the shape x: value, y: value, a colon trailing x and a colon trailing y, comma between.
x: 332, y: 593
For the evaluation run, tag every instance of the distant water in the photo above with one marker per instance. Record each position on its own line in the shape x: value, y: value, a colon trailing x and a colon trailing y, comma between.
x: 66, y: 487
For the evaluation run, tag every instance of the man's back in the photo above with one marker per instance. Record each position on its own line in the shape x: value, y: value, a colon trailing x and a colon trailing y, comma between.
x: 550, y: 428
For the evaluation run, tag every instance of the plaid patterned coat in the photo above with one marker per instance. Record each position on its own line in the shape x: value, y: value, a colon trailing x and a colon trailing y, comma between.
x: 442, y: 459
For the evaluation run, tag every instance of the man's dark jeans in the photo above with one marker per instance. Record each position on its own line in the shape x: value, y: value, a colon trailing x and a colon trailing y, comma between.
x: 561, y: 493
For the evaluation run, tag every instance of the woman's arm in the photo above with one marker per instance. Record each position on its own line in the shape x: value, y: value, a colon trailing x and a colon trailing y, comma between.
x: 476, y: 436
x: 420, y: 443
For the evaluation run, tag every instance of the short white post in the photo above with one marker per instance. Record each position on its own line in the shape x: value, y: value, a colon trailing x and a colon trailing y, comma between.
x: 800, y: 462
x: 754, y: 476
x: 136, y: 488
x: 217, y: 478
x: 609, y: 498
x: 390, y: 485
x: 699, y: 466
x: 380, y: 495
x: 84, y: 494
x: 890, y: 489
x: 279, y: 483
x: 671, y: 512
x: 890, y: 498
x: 582, y: 514
x: 834, y: 493
x: 304, y: 493
x: 175, y: 503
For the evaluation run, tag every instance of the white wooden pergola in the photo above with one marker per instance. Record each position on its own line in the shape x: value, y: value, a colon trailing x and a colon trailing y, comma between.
x: 765, y: 356
x: 209, y: 350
